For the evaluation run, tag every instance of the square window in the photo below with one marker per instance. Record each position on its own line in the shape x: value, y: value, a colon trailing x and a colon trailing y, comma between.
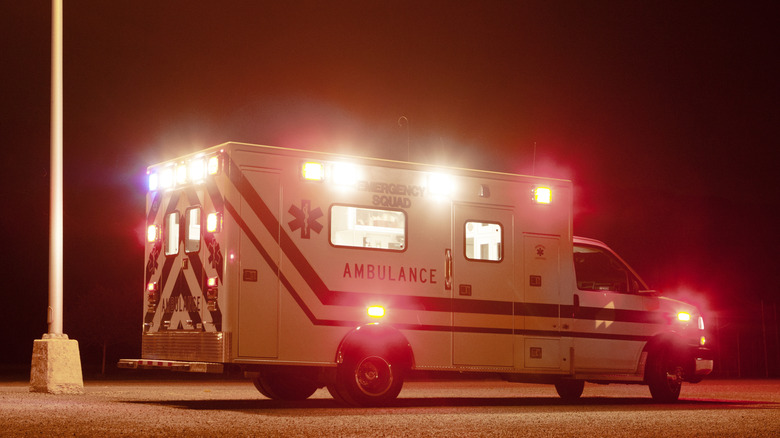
x: 484, y: 241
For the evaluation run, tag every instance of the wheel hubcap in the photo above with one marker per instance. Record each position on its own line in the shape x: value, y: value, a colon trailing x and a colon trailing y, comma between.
x: 674, y: 377
x: 374, y: 376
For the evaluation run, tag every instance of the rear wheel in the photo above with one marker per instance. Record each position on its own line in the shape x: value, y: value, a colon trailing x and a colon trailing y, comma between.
x: 570, y: 390
x: 367, y: 380
x: 285, y: 385
x: 665, y: 375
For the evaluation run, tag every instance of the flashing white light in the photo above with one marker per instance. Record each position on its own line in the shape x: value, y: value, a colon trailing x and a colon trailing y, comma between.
x: 542, y: 195
x: 213, y: 222
x: 166, y: 178
x: 313, y: 171
x: 440, y: 184
x: 345, y: 174
x: 213, y: 165
x: 684, y: 316
x: 152, y: 233
x: 701, y: 324
x: 376, y: 311
x: 197, y: 170
x: 181, y: 174
x: 154, y: 181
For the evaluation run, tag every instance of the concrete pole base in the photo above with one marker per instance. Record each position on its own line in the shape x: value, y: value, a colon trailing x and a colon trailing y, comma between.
x: 56, y: 366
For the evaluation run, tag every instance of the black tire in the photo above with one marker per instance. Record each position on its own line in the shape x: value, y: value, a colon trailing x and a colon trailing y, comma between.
x: 665, y: 374
x: 367, y: 380
x: 285, y: 386
x: 570, y: 390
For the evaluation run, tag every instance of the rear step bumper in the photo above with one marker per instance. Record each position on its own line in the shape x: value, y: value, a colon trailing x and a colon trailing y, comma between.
x: 172, y: 365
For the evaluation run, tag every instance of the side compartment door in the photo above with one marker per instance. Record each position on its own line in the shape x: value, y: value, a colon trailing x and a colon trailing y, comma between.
x: 482, y: 278
x: 541, y: 299
x: 258, y: 292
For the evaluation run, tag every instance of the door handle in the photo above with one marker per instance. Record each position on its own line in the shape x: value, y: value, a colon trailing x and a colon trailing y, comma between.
x: 576, y: 307
x: 448, y: 269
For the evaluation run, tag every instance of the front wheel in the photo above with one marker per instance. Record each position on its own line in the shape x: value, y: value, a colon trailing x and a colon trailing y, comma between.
x: 367, y: 380
x: 570, y: 390
x: 665, y: 375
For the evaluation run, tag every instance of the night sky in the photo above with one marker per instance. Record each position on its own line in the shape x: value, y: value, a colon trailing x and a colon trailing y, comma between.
x: 664, y: 114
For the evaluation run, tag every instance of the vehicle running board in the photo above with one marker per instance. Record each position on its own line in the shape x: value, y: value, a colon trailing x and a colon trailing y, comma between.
x: 172, y: 365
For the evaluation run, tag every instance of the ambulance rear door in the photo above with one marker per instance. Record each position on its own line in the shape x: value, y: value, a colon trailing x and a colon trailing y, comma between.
x: 182, y: 274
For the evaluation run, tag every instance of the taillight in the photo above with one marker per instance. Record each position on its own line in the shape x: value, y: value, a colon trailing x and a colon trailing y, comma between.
x: 153, y: 294
x: 212, y: 293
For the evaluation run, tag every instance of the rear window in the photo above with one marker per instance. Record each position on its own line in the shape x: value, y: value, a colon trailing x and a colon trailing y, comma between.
x: 192, y: 225
x: 171, y: 229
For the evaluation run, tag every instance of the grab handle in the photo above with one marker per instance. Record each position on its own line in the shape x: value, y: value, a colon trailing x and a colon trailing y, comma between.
x: 448, y: 269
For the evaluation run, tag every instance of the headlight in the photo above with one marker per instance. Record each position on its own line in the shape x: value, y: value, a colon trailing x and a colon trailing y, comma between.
x: 684, y: 316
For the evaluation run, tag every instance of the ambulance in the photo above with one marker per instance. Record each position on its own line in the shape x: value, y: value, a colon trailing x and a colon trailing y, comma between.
x: 307, y: 269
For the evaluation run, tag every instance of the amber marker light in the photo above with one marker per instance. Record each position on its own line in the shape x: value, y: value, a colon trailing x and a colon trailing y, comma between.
x: 376, y: 311
x: 212, y: 166
x: 313, y: 171
x: 684, y: 316
x: 542, y: 195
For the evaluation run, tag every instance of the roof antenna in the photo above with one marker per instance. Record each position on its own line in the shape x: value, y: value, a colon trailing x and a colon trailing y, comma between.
x: 533, y: 168
x: 408, y: 148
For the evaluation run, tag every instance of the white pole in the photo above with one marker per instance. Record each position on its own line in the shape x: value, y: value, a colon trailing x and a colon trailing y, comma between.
x: 56, y: 363
x: 56, y: 214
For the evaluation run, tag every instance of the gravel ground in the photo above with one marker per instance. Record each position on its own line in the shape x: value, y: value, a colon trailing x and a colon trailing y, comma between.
x: 451, y: 409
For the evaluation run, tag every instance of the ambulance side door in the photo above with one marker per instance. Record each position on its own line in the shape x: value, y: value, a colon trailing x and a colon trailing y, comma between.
x: 482, y: 286
x: 258, y: 298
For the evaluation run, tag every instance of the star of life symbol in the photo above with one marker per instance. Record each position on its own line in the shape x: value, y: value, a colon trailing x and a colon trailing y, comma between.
x: 539, y: 250
x: 305, y: 219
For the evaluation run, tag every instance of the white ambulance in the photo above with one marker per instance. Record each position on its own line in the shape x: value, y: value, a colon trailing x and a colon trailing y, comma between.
x: 308, y: 269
